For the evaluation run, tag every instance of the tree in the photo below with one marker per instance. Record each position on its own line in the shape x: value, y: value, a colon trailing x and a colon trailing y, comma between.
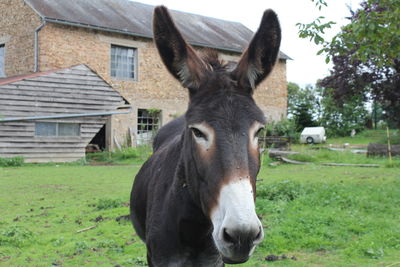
x: 302, y: 105
x: 372, y: 34
x: 365, y: 55
x: 309, y: 106
x: 340, y: 120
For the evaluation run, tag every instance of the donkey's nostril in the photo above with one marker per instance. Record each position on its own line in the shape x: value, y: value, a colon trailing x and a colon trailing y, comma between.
x: 228, y: 238
x: 259, y: 235
x: 236, y: 237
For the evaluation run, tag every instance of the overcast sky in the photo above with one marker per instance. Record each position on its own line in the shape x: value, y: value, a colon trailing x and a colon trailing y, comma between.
x: 306, y: 67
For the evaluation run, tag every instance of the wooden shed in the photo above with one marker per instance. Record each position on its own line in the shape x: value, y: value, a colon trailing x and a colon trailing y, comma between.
x: 52, y: 116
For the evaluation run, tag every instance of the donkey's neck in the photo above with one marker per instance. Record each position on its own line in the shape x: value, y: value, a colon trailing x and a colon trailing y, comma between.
x: 185, y: 170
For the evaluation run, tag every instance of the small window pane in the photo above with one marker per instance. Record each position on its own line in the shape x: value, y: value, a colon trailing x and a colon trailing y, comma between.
x: 2, y: 60
x: 68, y: 129
x: 148, y: 123
x: 45, y: 129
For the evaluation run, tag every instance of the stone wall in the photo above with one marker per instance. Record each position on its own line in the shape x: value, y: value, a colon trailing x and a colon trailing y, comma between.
x: 271, y: 94
x: 17, y: 32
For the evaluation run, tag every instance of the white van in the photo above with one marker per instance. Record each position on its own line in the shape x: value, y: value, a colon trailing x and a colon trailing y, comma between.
x: 313, y: 135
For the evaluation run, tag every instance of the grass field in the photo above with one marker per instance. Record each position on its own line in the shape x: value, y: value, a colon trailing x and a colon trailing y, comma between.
x: 321, y: 216
x: 321, y: 154
x: 368, y: 136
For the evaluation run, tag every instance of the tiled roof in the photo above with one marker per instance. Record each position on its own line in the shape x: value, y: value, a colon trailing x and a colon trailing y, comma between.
x: 135, y: 18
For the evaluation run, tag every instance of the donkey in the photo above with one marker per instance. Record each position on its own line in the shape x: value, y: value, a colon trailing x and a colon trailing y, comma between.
x: 193, y: 201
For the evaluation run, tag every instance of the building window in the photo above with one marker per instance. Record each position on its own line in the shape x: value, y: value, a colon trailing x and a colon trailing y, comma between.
x: 2, y: 61
x: 57, y: 129
x: 149, y: 121
x: 123, y: 62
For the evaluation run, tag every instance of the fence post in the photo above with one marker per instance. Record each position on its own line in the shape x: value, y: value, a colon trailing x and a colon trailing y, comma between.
x: 389, y: 146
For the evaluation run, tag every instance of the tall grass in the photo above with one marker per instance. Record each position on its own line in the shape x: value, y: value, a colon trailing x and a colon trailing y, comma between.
x: 135, y: 155
x: 11, y: 162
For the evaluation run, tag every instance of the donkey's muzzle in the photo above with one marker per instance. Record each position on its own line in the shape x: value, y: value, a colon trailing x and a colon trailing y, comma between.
x: 237, y: 229
x: 240, y: 244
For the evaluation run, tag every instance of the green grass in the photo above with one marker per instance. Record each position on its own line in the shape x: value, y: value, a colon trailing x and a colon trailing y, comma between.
x: 129, y: 155
x: 321, y: 154
x: 43, y: 207
x: 324, y: 216
x: 324, y: 155
x: 366, y: 137
x: 331, y: 216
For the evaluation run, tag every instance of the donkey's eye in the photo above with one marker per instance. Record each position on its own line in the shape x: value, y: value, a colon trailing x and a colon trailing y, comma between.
x: 198, y: 134
x: 259, y: 133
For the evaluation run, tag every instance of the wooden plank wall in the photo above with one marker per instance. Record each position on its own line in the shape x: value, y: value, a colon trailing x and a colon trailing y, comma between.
x: 77, y: 90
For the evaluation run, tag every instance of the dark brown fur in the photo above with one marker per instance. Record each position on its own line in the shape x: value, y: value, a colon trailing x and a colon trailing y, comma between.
x: 176, y: 189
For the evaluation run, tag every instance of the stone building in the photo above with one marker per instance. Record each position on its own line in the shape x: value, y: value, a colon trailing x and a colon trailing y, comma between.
x: 114, y: 38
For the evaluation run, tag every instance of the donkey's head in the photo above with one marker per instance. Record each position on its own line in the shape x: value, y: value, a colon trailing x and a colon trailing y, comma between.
x: 222, y: 126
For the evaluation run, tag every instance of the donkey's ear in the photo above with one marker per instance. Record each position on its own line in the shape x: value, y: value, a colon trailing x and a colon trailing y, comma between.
x: 179, y: 57
x: 260, y: 57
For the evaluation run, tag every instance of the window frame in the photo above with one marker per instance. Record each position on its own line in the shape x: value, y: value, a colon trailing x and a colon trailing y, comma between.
x: 149, y: 116
x: 3, y: 67
x: 134, y: 64
x: 57, y: 130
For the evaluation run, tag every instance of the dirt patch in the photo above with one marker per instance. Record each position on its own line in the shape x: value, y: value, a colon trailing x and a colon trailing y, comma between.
x: 99, y: 219
x: 277, y: 257
x: 46, y: 208
x: 123, y: 218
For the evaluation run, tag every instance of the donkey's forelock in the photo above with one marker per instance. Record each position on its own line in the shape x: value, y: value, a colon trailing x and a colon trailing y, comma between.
x: 211, y: 59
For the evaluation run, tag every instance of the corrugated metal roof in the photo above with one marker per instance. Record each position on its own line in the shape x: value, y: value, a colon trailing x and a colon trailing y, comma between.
x: 135, y: 18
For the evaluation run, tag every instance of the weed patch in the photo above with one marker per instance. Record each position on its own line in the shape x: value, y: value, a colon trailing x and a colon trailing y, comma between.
x: 135, y: 155
x: 106, y: 203
x: 280, y: 191
x: 11, y: 162
x: 16, y: 236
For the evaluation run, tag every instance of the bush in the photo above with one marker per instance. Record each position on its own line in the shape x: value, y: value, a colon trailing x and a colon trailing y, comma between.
x: 284, y: 127
x: 12, y: 162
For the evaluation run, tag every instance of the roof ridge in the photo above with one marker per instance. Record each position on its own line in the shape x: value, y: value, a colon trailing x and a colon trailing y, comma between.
x: 134, y: 18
